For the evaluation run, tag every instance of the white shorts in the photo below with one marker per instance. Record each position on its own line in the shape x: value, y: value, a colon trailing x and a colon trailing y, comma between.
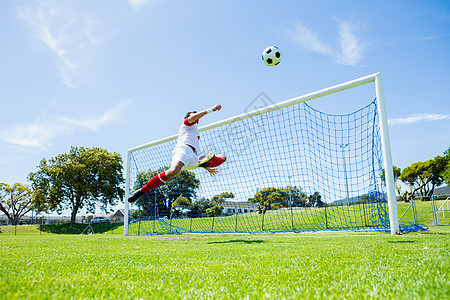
x: 186, y: 155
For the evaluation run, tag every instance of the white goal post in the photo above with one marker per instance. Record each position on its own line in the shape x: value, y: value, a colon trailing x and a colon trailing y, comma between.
x: 385, y: 142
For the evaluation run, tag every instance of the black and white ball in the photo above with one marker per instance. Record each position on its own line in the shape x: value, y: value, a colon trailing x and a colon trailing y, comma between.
x: 271, y: 56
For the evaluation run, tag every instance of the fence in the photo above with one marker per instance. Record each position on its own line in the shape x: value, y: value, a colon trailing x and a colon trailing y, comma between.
x: 43, y: 220
x: 432, y: 211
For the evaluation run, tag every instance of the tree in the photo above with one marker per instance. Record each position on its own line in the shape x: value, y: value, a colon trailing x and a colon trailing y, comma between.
x: 397, y: 172
x: 423, y: 177
x: 16, y: 201
x: 160, y: 199
x: 184, y: 184
x: 198, y: 208
x: 269, y: 198
x: 84, y: 177
x: 285, y: 197
x: 277, y: 199
x: 446, y: 172
x: 296, y: 196
x: 214, y: 211
x: 315, y: 200
x: 220, y: 199
x: 180, y: 204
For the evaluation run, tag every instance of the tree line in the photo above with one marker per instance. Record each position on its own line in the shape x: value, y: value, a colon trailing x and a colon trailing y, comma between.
x: 272, y: 198
x: 177, y: 198
x: 82, y: 178
x: 90, y: 177
x: 421, y: 178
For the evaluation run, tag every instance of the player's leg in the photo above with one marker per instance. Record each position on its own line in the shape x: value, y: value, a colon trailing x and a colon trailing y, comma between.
x: 217, y: 160
x: 204, y: 160
x: 181, y: 155
x: 157, y: 180
x: 174, y: 169
x: 211, y: 161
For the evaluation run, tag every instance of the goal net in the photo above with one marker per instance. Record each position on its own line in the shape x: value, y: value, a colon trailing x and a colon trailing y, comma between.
x: 289, y: 167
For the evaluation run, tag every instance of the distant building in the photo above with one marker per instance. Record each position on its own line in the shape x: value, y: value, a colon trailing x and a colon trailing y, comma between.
x: 439, y: 192
x: 235, y: 207
x: 442, y: 191
x: 119, y: 216
x: 4, y: 220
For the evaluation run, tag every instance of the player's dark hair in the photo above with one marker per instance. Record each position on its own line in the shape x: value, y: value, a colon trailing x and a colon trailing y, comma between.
x: 189, y: 113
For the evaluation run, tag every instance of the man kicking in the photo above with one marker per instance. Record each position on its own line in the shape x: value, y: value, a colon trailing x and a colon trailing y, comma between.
x: 186, y: 153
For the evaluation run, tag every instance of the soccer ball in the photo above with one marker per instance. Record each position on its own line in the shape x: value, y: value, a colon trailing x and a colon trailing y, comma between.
x: 271, y: 56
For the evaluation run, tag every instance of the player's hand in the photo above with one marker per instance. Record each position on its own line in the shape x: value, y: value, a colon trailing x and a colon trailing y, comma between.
x: 212, y: 172
x: 217, y: 107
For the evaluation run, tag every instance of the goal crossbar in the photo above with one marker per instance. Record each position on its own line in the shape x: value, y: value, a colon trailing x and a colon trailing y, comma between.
x: 289, y: 102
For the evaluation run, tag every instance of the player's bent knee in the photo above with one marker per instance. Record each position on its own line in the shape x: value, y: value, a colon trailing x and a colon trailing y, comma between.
x: 174, y: 170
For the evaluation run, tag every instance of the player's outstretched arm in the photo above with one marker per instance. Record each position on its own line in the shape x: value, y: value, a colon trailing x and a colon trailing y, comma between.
x: 194, y: 117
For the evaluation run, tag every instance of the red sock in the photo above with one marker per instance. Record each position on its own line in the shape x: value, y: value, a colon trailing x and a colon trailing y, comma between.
x: 155, y: 182
x: 215, y: 162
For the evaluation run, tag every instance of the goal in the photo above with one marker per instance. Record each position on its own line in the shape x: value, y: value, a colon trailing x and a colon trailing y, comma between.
x: 289, y: 167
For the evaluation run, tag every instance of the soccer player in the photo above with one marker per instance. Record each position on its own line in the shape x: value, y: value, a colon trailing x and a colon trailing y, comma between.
x: 186, y: 153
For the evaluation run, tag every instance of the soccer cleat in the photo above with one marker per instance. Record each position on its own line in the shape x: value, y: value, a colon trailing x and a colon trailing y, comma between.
x: 204, y: 162
x: 135, y: 196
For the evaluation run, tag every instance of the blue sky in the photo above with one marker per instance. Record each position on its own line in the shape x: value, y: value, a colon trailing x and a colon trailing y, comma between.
x: 117, y: 74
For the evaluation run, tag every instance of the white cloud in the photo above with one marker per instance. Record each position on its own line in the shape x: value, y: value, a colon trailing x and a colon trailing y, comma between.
x: 38, y: 134
x: 433, y: 37
x: 351, y: 48
x: 42, y: 132
x: 308, y: 40
x: 95, y: 122
x: 67, y: 33
x: 417, y: 118
x: 138, y: 4
x: 348, y: 52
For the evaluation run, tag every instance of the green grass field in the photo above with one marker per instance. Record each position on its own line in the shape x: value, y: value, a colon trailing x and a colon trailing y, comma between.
x: 229, y: 266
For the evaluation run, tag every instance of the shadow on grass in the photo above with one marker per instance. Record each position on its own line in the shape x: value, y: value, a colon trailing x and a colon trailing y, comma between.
x: 76, y: 228
x: 238, y: 241
x: 435, y: 233
x: 401, y: 242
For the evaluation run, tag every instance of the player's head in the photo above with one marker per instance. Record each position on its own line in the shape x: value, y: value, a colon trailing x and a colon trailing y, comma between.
x: 189, y: 113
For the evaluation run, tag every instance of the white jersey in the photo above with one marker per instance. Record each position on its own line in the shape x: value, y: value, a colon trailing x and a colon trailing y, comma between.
x: 188, y: 134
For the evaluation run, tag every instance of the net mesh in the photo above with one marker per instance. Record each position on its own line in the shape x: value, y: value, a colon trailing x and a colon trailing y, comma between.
x: 291, y: 169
